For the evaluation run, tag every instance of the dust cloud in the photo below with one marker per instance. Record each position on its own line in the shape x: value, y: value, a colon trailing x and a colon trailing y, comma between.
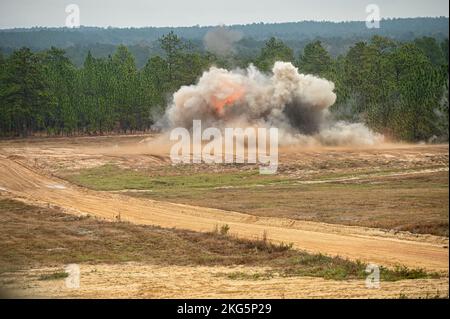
x: 297, y: 104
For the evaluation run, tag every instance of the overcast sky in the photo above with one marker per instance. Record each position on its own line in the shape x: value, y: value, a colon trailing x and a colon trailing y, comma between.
x: 138, y: 13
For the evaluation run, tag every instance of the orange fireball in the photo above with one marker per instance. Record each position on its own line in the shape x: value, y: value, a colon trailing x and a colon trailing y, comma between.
x: 229, y: 94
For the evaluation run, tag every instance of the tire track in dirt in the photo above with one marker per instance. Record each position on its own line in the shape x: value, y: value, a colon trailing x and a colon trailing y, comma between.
x: 370, y: 245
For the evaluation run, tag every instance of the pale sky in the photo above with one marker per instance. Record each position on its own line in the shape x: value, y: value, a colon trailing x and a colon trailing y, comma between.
x: 140, y: 13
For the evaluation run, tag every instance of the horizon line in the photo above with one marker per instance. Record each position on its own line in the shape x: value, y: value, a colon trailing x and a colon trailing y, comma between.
x: 217, y: 25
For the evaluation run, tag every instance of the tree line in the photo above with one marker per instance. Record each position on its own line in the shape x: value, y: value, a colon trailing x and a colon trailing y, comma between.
x: 404, y: 29
x: 397, y: 88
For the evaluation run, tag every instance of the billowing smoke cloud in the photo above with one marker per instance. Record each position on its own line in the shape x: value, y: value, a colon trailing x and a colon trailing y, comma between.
x: 295, y: 103
x: 221, y: 41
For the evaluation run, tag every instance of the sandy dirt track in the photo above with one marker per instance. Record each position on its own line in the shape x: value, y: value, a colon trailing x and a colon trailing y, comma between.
x: 134, y: 280
x: 371, y: 245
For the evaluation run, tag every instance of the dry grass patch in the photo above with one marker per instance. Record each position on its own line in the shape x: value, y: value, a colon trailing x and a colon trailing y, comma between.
x: 42, y: 237
x: 417, y: 202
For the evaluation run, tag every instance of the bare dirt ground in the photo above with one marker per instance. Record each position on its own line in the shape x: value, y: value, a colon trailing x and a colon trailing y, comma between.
x: 350, y: 186
x: 430, y: 252
x: 125, y: 260
x: 27, y: 169
x: 138, y: 151
x: 134, y: 280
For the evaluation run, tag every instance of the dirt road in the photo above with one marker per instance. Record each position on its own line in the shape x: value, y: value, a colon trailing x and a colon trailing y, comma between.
x: 371, y: 245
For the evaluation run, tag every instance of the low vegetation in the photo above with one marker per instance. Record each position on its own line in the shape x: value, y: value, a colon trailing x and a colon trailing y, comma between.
x: 37, y: 237
x: 112, y: 178
x: 54, y: 275
x: 418, y: 205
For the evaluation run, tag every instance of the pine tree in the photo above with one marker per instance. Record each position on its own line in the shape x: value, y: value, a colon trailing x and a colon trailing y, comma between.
x: 62, y: 114
x: 274, y: 50
x: 25, y: 93
x: 315, y: 60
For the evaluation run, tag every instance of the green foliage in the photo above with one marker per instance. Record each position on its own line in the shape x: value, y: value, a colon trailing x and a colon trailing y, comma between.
x: 24, y: 93
x: 54, y: 276
x: 332, y: 268
x: 105, y: 39
x: 110, y: 177
x: 420, y: 88
x: 397, y: 88
x: 44, y: 92
x: 442, y: 114
x: 338, y: 268
x: 274, y: 50
x: 315, y: 60
x: 61, y: 76
x: 181, y: 65
x: 431, y: 48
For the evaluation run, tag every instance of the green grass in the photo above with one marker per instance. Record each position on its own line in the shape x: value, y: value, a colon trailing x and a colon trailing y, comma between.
x: 331, y: 268
x: 419, y: 203
x: 337, y: 268
x: 112, y: 178
x: 54, y: 276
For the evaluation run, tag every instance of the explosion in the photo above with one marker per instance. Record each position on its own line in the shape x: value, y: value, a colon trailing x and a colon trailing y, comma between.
x: 229, y: 94
x: 295, y: 103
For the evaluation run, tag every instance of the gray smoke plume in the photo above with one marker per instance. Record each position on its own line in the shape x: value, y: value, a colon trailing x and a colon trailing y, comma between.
x: 221, y: 41
x: 297, y: 104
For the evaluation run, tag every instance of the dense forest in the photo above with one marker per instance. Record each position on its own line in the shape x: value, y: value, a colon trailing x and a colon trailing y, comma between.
x: 398, y: 88
x: 399, y: 29
x: 143, y: 43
